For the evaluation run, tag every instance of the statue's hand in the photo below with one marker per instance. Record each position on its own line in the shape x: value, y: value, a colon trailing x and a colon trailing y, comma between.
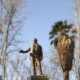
x: 21, y: 51
x: 32, y: 55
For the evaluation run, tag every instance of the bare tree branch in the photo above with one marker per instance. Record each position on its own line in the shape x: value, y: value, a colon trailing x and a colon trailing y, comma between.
x: 10, y: 27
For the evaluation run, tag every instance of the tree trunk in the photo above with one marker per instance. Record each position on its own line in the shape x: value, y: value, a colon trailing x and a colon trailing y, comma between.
x: 4, y: 70
x: 66, y: 75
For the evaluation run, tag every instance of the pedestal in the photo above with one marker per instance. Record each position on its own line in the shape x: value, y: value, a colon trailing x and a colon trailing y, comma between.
x: 35, y: 77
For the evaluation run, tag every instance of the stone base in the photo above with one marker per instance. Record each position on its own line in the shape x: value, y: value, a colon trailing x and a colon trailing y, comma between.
x: 35, y: 77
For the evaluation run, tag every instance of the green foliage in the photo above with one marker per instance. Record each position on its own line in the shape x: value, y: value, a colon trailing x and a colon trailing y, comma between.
x: 58, y: 28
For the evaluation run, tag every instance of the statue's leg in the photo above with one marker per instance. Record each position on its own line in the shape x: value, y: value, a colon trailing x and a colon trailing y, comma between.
x: 66, y: 75
x: 40, y: 68
x: 33, y: 63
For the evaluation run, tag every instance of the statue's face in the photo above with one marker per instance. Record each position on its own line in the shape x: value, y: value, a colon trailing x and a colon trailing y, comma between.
x: 34, y: 41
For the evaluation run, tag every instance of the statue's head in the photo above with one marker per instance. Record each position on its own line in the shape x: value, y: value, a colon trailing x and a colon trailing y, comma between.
x: 35, y: 40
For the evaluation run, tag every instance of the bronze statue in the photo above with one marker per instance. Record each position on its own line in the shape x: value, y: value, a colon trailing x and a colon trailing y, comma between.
x: 36, y: 55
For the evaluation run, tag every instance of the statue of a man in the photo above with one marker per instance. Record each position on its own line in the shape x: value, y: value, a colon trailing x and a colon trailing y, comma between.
x: 36, y: 55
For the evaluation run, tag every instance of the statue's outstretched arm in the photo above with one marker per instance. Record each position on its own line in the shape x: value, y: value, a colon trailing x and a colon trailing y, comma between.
x: 26, y: 51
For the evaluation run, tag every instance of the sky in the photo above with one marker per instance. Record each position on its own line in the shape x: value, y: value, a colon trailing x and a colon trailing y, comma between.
x: 40, y: 16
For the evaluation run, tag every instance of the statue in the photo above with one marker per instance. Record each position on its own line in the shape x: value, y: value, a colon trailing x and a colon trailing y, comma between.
x: 36, y: 55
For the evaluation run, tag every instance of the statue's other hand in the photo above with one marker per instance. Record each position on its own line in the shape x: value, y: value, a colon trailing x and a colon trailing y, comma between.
x: 32, y: 55
x: 21, y: 51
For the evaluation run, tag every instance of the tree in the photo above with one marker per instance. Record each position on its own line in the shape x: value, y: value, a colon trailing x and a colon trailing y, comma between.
x: 10, y: 23
x: 18, y: 68
x: 76, y: 6
x: 62, y: 35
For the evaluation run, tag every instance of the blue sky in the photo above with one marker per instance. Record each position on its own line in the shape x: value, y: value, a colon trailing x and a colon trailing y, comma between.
x: 43, y: 14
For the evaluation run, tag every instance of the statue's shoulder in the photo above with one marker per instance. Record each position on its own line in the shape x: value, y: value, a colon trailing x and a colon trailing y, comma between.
x: 39, y: 46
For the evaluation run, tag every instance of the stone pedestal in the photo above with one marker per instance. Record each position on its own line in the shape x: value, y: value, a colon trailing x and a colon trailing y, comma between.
x: 35, y: 77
